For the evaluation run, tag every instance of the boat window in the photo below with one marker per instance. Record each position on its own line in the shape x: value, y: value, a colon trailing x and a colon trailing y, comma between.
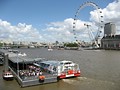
x: 68, y: 63
x: 61, y: 63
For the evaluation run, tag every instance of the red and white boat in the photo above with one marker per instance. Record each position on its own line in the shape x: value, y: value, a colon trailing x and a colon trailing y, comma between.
x: 68, y: 69
x: 63, y: 69
x: 7, y: 75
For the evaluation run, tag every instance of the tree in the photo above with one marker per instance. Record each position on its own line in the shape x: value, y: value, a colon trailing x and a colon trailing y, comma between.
x: 71, y: 45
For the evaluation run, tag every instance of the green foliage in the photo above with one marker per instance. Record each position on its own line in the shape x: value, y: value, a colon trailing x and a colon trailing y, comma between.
x: 71, y: 45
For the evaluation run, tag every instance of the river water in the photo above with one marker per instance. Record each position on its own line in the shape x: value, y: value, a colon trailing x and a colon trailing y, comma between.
x: 100, y: 70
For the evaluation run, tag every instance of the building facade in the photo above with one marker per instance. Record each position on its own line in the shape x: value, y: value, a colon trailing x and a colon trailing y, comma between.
x: 110, y: 39
x: 109, y: 29
x: 111, y: 42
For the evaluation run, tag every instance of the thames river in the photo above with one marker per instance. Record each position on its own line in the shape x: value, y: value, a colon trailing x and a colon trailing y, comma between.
x: 100, y: 70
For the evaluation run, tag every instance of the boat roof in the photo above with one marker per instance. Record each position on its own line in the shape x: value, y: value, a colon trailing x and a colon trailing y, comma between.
x: 66, y: 61
x: 24, y: 59
x: 55, y: 62
x: 7, y: 72
x: 19, y: 59
x: 50, y: 62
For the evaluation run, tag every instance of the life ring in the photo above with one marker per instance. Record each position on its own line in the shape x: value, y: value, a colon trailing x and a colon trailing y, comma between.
x: 41, y: 78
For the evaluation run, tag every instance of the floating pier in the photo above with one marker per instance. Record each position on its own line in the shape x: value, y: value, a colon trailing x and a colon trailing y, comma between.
x: 34, y: 80
x: 26, y: 76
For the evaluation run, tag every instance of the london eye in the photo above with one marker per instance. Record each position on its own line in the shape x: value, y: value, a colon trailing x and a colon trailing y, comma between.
x: 94, y: 33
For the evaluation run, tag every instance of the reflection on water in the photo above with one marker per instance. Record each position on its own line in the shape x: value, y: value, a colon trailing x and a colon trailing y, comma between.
x: 100, y: 70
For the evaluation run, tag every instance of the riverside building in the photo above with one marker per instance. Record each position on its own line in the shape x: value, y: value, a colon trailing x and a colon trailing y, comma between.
x: 110, y: 39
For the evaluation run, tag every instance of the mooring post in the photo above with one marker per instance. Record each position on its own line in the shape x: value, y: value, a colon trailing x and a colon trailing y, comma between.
x: 6, y: 62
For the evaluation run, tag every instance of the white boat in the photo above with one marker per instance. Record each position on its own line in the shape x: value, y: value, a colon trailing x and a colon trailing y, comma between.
x: 22, y: 54
x: 7, y: 75
x: 63, y: 69
x: 50, y: 48
x: 17, y: 52
x: 68, y: 69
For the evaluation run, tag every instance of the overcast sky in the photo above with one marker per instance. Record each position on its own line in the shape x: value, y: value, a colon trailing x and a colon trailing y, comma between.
x: 52, y: 20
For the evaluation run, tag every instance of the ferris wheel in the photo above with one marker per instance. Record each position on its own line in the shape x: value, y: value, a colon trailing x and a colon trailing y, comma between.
x: 98, y: 23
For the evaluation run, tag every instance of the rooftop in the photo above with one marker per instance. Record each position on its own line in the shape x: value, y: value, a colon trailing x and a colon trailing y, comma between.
x: 21, y: 59
x: 112, y: 37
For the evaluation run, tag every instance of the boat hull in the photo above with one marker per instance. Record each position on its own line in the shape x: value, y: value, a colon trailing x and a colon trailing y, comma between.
x: 8, y: 78
x: 7, y: 75
x: 1, y: 64
x: 69, y: 76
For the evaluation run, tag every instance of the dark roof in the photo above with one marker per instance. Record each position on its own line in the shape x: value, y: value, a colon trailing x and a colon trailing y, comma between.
x: 112, y: 37
x: 24, y: 59
x: 20, y: 59
x: 49, y: 62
